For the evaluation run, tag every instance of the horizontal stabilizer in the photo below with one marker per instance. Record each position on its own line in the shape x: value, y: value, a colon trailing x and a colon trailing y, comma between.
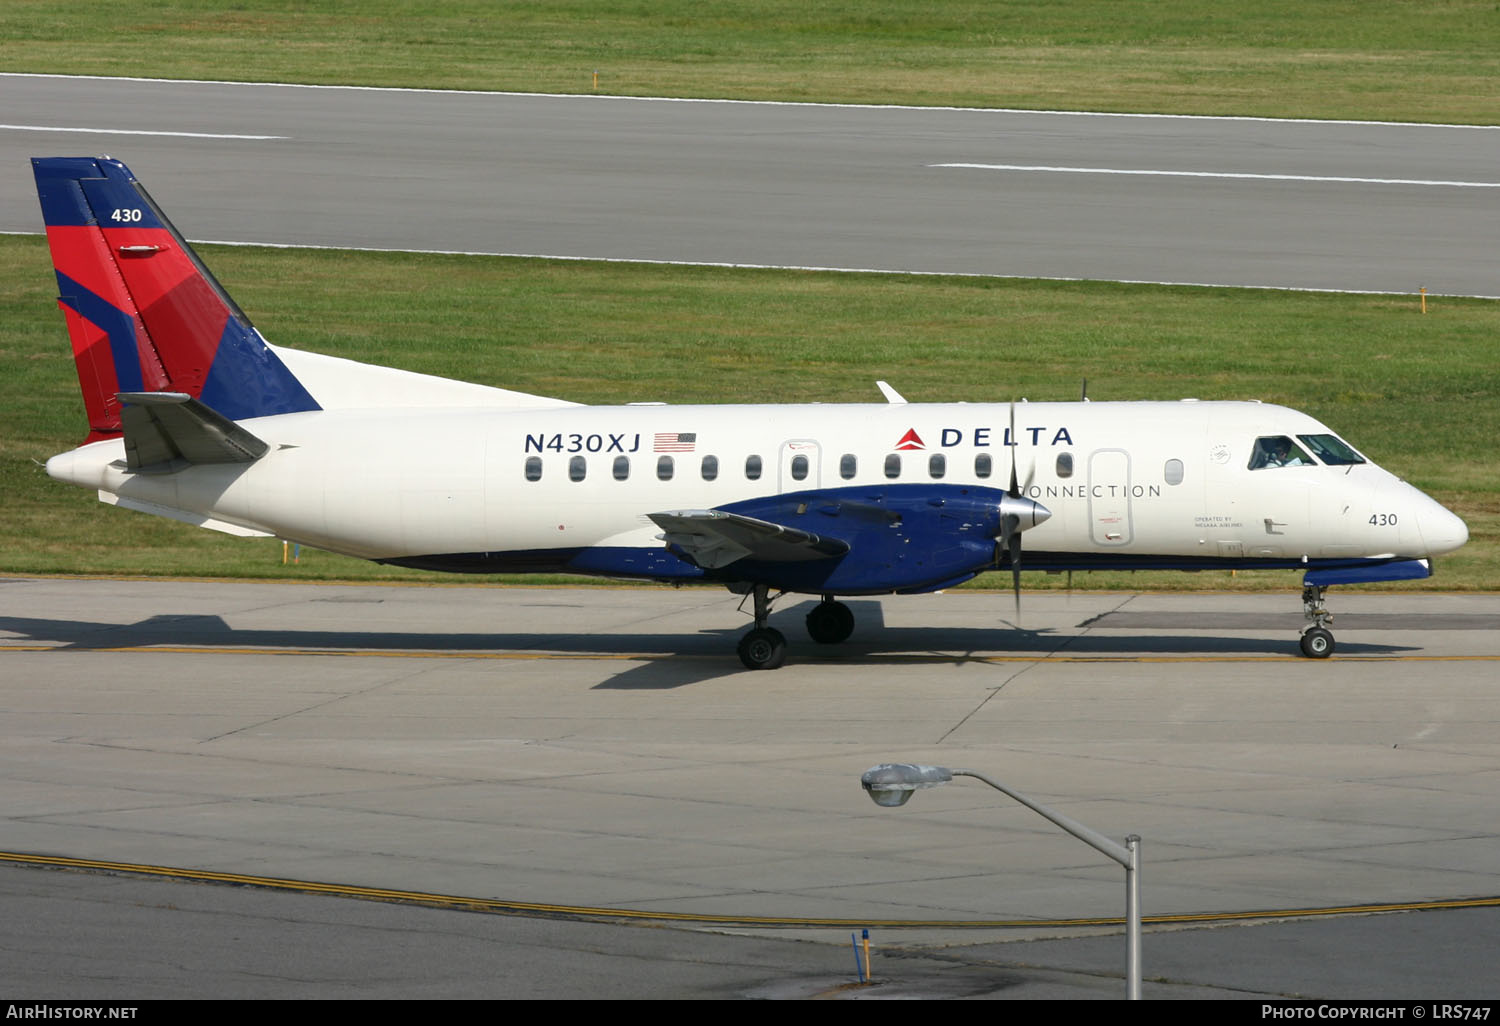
x: 162, y: 428
x: 714, y: 538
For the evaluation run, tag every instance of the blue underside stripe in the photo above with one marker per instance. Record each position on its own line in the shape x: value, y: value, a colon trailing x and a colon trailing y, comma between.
x: 659, y: 564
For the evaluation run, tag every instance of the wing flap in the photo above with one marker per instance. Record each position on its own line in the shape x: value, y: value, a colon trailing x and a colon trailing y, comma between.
x: 713, y: 538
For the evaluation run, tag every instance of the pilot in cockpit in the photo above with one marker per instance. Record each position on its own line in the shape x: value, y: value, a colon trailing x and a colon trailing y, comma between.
x: 1282, y: 455
x: 1277, y: 451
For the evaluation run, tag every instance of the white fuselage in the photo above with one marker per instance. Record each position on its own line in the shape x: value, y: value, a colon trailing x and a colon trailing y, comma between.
x: 1126, y: 483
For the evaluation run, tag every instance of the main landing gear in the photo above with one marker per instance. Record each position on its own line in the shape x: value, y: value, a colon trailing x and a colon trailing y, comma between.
x: 1317, y: 639
x: 763, y: 648
x: 830, y: 622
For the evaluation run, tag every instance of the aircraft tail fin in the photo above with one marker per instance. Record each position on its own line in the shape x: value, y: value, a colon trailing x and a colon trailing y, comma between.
x: 144, y: 314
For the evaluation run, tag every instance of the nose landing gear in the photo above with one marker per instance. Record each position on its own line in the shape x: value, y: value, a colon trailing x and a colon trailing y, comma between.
x: 1317, y: 639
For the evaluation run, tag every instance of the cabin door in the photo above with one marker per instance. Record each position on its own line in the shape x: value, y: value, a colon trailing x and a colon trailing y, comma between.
x: 1109, y: 497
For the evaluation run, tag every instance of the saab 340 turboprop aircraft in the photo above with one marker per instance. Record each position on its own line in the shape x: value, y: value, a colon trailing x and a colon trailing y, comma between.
x: 193, y: 416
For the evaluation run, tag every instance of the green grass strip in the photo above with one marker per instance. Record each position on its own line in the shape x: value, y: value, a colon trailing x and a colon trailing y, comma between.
x: 1431, y: 61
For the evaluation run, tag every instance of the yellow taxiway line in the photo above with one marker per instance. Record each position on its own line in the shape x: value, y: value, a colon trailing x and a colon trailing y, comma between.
x: 541, y: 909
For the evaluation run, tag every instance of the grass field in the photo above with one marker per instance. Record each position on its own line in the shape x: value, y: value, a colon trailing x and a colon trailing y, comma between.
x: 1419, y: 393
x: 1430, y: 61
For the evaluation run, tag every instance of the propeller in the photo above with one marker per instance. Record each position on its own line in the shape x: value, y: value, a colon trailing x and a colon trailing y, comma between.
x: 1085, y: 398
x: 1017, y: 513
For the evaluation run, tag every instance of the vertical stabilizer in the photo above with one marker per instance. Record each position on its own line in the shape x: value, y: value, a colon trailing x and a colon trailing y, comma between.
x: 144, y: 314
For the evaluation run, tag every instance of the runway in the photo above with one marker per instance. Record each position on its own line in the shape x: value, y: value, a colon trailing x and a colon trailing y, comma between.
x: 602, y: 747
x: 1243, y: 202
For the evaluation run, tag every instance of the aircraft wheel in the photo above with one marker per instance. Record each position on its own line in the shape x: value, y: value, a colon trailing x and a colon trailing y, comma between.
x: 762, y: 649
x: 830, y: 623
x: 1317, y: 643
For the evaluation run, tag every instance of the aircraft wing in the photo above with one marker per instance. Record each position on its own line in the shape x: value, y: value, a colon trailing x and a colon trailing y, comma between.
x: 162, y: 428
x: 714, y: 538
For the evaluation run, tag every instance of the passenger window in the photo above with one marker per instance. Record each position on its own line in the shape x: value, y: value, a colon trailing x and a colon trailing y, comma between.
x: 533, y: 468
x: 1172, y: 472
x: 622, y: 467
x: 937, y: 465
x: 578, y: 468
x: 799, y: 468
x: 710, y: 468
x: 664, y: 468
x: 893, y: 465
x: 848, y: 466
x: 752, y: 468
x: 983, y: 465
x: 1277, y: 451
x: 1064, y: 464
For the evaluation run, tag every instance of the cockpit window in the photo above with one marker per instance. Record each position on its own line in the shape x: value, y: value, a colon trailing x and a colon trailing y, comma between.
x: 1332, y: 450
x: 1277, y: 451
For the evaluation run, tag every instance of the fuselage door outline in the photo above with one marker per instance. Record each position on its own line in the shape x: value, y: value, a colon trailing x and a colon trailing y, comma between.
x: 799, y: 465
x: 1109, y: 497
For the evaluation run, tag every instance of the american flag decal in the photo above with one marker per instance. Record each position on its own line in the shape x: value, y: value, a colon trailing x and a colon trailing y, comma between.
x: 675, y: 441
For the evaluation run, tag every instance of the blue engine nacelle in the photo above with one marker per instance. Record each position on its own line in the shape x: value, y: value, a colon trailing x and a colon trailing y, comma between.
x: 905, y: 538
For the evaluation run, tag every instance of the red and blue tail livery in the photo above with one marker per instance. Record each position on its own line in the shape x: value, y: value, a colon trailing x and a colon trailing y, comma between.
x: 195, y: 417
x: 143, y: 313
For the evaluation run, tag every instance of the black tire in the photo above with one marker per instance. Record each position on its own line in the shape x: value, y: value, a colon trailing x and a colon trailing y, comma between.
x: 762, y: 649
x: 1317, y: 643
x: 830, y: 623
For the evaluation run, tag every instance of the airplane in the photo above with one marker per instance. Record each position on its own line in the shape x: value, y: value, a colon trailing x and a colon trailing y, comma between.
x: 193, y: 416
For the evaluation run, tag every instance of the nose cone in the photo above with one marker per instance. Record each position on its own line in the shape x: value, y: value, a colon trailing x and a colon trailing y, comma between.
x: 1442, y: 530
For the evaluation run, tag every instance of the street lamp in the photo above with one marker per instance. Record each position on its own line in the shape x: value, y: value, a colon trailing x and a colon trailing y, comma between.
x: 891, y: 784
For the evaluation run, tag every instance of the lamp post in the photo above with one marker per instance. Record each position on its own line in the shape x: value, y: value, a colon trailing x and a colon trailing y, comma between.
x: 891, y: 784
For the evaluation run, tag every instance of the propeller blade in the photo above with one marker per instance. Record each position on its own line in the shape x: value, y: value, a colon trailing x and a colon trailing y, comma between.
x: 1015, y: 489
x: 1017, y: 514
x: 1014, y: 543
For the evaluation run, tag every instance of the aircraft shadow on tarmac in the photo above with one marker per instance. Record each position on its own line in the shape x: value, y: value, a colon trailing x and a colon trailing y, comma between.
x: 676, y: 659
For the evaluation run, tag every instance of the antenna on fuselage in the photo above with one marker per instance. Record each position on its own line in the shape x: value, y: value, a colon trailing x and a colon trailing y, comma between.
x: 1085, y: 396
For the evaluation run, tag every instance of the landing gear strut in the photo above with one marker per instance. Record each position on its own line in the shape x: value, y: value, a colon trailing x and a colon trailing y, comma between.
x: 763, y: 648
x: 1317, y: 639
x: 830, y: 622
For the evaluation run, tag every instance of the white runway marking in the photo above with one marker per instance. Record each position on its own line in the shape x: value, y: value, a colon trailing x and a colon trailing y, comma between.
x: 620, y: 98
x: 1221, y: 174
x: 128, y: 131
x: 800, y: 267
